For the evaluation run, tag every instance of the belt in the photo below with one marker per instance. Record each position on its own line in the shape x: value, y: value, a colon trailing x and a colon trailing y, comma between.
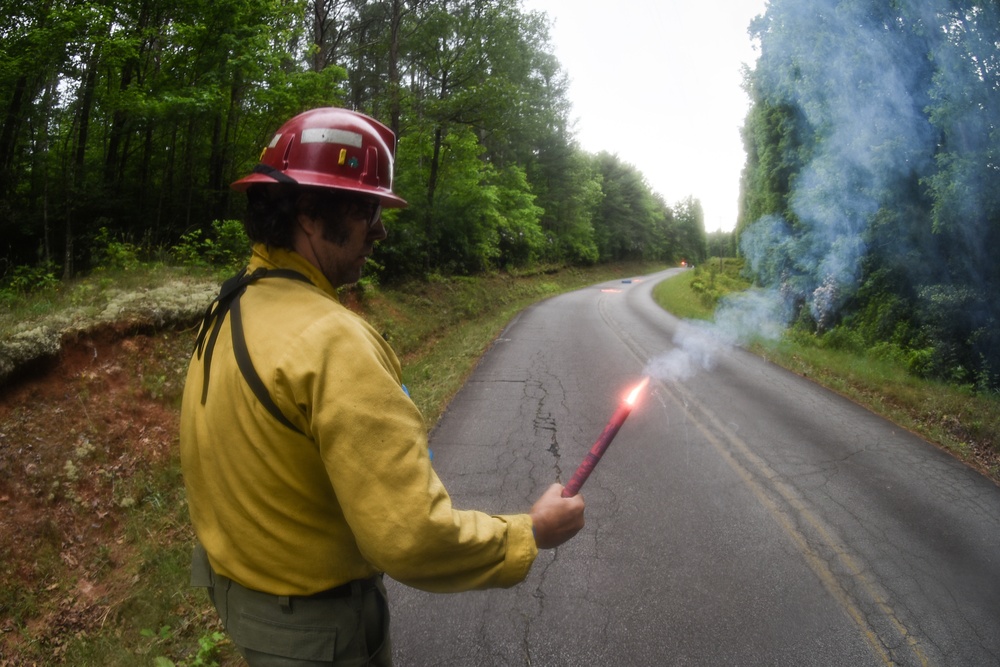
x: 342, y: 591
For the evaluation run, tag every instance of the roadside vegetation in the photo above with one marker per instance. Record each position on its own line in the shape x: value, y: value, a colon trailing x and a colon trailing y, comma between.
x: 958, y: 418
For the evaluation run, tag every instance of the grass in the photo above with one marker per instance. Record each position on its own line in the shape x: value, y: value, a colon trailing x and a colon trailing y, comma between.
x: 676, y: 294
x: 957, y: 419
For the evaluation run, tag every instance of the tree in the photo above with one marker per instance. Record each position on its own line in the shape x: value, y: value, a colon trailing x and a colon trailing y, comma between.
x: 126, y: 121
x: 871, y: 145
x: 627, y: 217
x: 689, y: 218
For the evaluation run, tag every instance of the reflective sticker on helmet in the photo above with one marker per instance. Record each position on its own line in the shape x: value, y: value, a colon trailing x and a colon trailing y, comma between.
x: 274, y: 142
x: 329, y: 135
x: 343, y: 156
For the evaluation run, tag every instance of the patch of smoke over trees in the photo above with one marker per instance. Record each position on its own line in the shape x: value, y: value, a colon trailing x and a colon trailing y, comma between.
x: 853, y: 83
x: 898, y: 166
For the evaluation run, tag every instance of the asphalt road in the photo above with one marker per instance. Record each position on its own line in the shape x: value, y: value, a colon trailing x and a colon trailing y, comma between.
x: 743, y: 516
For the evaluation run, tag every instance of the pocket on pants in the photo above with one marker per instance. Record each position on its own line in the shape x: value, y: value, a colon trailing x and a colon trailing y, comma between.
x: 287, y: 639
x: 308, y: 630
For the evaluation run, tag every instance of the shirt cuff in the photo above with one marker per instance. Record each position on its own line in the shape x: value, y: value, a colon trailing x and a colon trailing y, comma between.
x: 521, y: 549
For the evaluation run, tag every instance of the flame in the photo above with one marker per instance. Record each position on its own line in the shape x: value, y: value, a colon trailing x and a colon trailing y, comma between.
x: 634, y: 394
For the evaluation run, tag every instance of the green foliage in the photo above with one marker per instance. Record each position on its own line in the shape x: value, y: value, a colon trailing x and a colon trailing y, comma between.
x: 521, y: 239
x: 231, y: 247
x: 27, y: 279
x: 689, y: 222
x: 569, y: 187
x: 192, y: 250
x: 228, y: 248
x: 715, y: 279
x: 632, y: 222
x: 206, y: 656
x: 870, y: 195
x: 117, y: 143
x: 111, y: 253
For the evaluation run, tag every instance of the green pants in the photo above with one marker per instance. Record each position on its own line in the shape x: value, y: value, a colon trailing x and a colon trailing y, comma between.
x: 347, y: 628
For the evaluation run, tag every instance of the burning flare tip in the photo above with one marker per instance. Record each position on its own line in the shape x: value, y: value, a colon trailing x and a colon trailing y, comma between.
x: 634, y: 394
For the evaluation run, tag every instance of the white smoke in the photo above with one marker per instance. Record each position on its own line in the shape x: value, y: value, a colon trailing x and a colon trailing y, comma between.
x: 696, y: 349
x: 739, y: 319
x: 852, y: 81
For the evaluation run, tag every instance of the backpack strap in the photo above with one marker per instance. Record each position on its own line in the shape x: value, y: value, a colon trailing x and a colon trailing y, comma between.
x: 228, y: 301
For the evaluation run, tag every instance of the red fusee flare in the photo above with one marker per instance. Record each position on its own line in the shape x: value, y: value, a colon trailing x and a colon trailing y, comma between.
x: 603, y: 441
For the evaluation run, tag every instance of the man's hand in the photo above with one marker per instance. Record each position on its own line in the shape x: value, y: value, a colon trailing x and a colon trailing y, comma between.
x: 556, y: 519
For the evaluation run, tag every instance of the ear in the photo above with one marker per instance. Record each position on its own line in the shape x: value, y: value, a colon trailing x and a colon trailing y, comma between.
x: 309, y: 225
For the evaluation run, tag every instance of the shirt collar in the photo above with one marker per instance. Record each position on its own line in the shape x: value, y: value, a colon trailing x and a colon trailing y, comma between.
x: 272, y: 257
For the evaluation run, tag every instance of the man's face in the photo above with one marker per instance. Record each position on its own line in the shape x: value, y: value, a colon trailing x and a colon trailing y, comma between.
x: 341, y: 250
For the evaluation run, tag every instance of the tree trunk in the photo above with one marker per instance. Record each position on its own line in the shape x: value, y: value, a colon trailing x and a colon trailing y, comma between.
x: 189, y: 144
x: 431, y: 189
x: 215, y: 161
x: 42, y: 165
x: 79, y: 163
x: 8, y: 135
x: 395, y: 111
x: 435, y: 162
x: 112, y: 169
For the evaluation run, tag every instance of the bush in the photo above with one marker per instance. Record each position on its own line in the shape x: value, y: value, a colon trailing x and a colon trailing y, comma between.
x: 231, y: 246
x: 114, y: 254
x: 191, y: 250
x: 844, y: 338
x: 228, y: 247
x: 27, y: 279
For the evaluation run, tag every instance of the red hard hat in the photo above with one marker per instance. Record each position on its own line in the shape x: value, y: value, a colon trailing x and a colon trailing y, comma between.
x: 330, y: 148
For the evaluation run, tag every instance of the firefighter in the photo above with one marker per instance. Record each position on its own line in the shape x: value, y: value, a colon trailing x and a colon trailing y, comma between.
x: 306, y: 464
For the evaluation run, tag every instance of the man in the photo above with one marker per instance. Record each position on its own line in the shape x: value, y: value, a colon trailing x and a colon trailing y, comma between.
x: 305, y: 461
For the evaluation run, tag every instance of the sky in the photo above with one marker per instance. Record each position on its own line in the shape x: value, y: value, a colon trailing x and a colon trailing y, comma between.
x: 658, y: 82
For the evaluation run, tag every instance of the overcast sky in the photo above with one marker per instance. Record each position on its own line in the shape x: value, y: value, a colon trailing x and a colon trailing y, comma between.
x: 658, y: 83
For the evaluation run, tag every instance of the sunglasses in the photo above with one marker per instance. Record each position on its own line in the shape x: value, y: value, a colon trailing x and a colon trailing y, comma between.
x: 375, y: 214
x: 371, y: 209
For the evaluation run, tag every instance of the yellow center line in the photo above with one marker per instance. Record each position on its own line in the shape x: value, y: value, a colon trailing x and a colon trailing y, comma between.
x: 784, y: 518
x: 815, y: 561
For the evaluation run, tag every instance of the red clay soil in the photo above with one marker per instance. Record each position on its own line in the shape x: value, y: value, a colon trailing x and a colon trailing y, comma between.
x: 76, y: 439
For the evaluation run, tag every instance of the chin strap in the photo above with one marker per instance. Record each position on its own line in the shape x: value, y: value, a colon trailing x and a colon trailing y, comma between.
x: 228, y: 301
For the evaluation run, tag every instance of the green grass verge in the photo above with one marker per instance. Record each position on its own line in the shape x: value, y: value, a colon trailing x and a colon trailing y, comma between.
x: 955, y: 418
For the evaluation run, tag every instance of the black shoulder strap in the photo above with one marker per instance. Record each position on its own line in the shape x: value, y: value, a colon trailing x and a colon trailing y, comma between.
x: 229, y: 301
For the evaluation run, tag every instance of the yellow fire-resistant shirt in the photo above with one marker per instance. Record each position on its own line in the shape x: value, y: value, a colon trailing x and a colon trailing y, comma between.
x: 292, y: 514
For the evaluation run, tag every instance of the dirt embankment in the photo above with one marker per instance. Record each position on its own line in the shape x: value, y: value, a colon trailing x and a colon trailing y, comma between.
x: 91, y: 498
x: 88, y: 420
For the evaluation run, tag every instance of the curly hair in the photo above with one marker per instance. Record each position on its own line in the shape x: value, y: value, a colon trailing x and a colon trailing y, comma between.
x: 273, y: 210
x: 271, y: 214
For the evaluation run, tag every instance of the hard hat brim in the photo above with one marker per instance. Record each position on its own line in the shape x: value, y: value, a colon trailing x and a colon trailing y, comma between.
x: 316, y: 179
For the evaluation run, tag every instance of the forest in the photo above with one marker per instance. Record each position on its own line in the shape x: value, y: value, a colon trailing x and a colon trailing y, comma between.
x: 870, y: 200
x: 124, y: 121
x: 869, y: 206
